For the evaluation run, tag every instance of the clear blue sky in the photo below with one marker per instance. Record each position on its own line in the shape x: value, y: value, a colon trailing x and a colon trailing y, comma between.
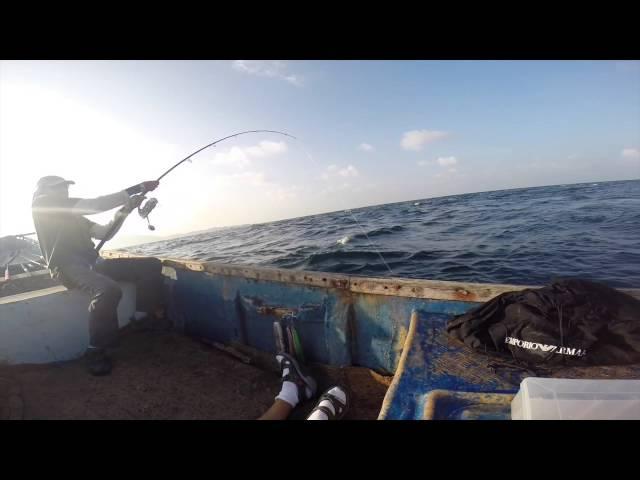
x: 477, y: 125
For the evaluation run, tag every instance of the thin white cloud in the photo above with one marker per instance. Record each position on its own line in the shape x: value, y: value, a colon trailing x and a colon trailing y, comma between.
x: 333, y: 171
x: 284, y: 193
x: 365, y: 147
x: 336, y: 187
x: 449, y: 172
x: 416, y: 139
x: 257, y: 181
x: 350, y: 171
x: 423, y: 163
x: 268, y: 68
x: 632, y: 153
x: 240, y: 157
x: 236, y: 156
x: 447, y: 161
x: 267, y: 148
x: 253, y: 179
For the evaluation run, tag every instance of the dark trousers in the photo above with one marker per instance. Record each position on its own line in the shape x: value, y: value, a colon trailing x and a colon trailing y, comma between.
x: 101, y: 284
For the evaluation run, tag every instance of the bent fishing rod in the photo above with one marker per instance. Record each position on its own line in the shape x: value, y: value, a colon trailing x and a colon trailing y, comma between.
x: 145, y: 210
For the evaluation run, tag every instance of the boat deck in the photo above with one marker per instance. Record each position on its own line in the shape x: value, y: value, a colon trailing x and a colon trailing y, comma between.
x: 440, y: 378
x: 166, y: 375
x: 390, y: 325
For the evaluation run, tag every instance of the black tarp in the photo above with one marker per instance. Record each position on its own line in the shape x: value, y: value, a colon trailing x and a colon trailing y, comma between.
x: 572, y: 322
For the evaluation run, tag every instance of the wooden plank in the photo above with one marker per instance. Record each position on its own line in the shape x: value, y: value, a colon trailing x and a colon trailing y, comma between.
x: 397, y: 287
x: 186, y: 265
x: 431, y: 289
x: 633, y: 292
x: 299, y: 277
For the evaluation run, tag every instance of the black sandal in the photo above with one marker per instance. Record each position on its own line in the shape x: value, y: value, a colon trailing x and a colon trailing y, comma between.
x: 298, y: 376
x: 339, y: 408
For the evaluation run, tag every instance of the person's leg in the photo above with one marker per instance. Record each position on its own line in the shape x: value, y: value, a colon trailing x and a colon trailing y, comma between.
x: 297, y: 386
x: 105, y: 295
x: 147, y: 275
x: 332, y: 405
x: 280, y: 410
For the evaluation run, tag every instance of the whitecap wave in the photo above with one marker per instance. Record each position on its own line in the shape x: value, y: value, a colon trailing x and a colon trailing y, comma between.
x: 344, y: 240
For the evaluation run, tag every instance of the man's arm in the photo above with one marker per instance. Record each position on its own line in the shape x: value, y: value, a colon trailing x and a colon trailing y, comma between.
x: 101, y: 231
x: 92, y: 206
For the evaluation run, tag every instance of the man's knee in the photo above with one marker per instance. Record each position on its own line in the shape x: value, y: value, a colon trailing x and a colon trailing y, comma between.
x: 110, y: 292
x: 106, y: 297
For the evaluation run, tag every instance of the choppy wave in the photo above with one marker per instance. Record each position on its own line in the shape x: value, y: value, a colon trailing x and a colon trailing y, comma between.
x: 523, y: 236
x: 344, y: 240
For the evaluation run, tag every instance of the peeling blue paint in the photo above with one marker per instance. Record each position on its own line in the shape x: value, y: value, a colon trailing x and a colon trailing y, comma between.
x: 339, y: 327
x: 336, y: 327
x: 429, y: 358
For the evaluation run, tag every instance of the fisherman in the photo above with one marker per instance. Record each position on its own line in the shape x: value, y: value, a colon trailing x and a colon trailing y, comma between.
x: 65, y: 236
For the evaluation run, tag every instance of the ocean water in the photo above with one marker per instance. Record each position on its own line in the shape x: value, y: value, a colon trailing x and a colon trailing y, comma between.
x: 522, y: 236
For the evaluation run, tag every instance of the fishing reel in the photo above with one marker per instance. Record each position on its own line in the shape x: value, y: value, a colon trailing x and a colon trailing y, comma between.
x: 146, y: 209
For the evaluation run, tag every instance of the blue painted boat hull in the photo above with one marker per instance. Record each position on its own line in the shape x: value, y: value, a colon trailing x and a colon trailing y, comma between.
x: 387, y: 325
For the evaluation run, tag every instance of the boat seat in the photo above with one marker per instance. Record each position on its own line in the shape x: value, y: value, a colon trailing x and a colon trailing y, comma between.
x: 51, y: 324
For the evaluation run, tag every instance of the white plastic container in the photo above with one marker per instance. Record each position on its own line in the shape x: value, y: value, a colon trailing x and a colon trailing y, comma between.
x: 570, y: 399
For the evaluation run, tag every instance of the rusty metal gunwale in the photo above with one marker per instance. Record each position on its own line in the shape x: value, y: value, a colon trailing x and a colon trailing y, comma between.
x: 399, y: 287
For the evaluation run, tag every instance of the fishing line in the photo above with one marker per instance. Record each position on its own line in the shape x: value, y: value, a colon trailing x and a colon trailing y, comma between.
x: 146, y: 210
x: 300, y: 144
x: 369, y: 240
x: 349, y: 211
